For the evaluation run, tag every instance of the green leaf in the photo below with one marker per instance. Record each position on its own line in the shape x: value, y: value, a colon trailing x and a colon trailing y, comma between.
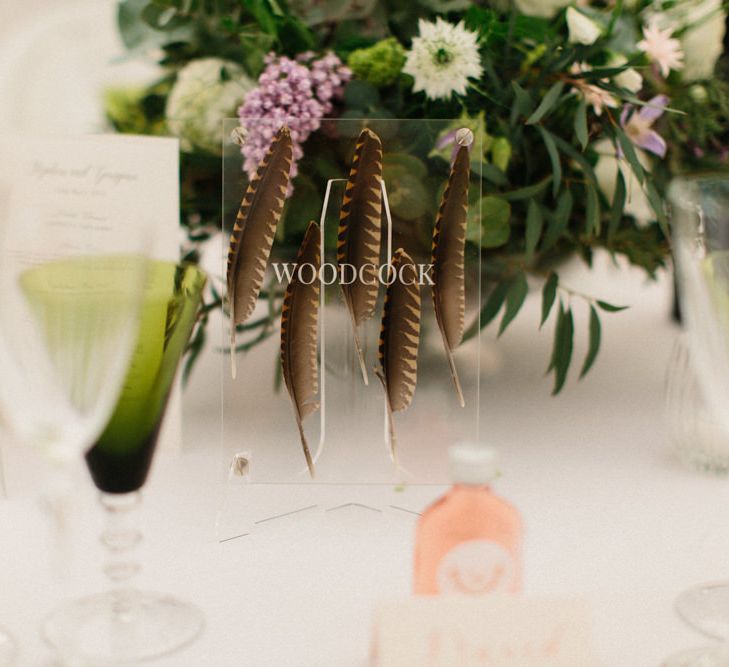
x: 594, y: 345
x: 522, y: 102
x: 658, y: 206
x: 526, y: 192
x: 562, y: 351
x: 518, y: 290
x: 559, y: 220
x: 549, y: 293
x: 494, y: 302
x: 492, y: 228
x: 489, y: 310
x: 262, y: 14
x: 629, y: 151
x: 491, y: 173
x: 547, y: 103
x: 534, y: 223
x: 554, y: 159
x: 592, y: 210
x: 569, y: 149
x: 581, y: 123
x: 616, y: 212
x: 360, y: 95
x: 609, y: 308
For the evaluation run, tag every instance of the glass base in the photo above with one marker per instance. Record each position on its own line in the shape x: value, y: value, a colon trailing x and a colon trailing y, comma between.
x: 8, y: 649
x: 121, y: 627
x: 704, y: 656
x: 706, y: 608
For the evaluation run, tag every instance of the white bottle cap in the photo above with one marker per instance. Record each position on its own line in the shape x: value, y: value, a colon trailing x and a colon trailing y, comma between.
x: 472, y: 463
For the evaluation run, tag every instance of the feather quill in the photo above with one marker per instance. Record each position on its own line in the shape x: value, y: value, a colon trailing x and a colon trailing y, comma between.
x: 299, y: 334
x: 359, y: 233
x: 448, y: 260
x: 399, y: 340
x: 254, y: 230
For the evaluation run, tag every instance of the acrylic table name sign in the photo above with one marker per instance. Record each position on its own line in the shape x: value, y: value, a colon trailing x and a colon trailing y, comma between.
x: 352, y: 268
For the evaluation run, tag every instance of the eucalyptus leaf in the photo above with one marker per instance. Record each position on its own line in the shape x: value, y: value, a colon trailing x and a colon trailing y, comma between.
x: 547, y: 104
x: 594, y: 345
x: 549, y: 293
x: 522, y: 102
x: 489, y: 310
x: 581, y: 123
x: 559, y: 220
x: 554, y: 159
x: 534, y: 224
x: 592, y: 210
x: 609, y: 308
x: 658, y: 206
x: 526, y: 192
x: 619, y: 198
x: 629, y: 151
x: 562, y: 349
x: 515, y: 296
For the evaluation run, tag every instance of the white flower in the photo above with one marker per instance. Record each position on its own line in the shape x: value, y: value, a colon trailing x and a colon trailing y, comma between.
x: 702, y: 42
x: 442, y: 59
x: 206, y: 91
x: 629, y: 79
x: 661, y: 48
x: 544, y: 8
x: 582, y: 30
x: 595, y: 96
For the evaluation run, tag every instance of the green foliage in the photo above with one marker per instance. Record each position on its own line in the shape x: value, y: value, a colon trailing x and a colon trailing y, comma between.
x: 537, y: 195
x: 380, y: 64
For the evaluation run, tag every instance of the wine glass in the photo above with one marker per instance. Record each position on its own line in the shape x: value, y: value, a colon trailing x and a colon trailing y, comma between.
x: 125, y: 625
x: 700, y: 221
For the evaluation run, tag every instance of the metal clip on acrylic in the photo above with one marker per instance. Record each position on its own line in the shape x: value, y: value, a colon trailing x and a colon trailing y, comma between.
x: 366, y: 321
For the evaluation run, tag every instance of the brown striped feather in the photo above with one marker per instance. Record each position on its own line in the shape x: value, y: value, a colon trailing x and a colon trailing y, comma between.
x: 359, y: 233
x: 299, y: 335
x: 448, y: 259
x: 254, y: 230
x: 399, y: 340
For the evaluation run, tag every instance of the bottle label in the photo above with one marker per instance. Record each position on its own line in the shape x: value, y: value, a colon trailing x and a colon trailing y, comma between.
x: 477, y: 567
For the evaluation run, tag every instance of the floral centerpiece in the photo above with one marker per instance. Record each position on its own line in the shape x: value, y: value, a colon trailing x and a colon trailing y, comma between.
x: 588, y: 109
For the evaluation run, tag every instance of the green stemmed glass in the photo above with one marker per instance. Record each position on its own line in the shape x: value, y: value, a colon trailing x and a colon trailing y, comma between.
x: 125, y: 625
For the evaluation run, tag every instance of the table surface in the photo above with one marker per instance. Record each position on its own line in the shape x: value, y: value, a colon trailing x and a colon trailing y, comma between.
x: 610, y: 515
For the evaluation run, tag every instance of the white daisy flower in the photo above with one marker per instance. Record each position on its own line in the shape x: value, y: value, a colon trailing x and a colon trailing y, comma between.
x: 596, y: 97
x: 443, y: 58
x: 662, y: 48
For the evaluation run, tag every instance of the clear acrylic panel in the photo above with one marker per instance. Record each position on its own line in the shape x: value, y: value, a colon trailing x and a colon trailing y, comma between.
x: 348, y: 434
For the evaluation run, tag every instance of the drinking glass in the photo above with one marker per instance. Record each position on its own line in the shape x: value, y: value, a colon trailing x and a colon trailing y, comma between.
x: 125, y: 625
x: 700, y: 221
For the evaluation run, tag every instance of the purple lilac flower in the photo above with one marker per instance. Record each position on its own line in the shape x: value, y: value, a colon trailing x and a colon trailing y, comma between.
x: 638, y: 125
x: 298, y: 93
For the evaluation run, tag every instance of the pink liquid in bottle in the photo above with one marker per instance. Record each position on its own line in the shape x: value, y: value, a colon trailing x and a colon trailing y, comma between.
x: 469, y: 541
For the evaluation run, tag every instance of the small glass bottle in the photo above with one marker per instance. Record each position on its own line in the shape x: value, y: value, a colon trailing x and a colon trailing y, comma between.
x: 469, y: 541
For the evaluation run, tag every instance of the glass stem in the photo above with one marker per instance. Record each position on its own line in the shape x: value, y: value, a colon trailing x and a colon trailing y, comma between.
x: 120, y: 538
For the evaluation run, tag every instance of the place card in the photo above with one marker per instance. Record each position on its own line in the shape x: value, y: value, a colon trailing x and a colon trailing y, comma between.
x: 490, y: 631
x: 100, y: 191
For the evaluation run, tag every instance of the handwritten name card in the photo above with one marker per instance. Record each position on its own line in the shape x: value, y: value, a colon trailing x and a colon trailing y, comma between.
x: 64, y: 195
x: 494, y: 631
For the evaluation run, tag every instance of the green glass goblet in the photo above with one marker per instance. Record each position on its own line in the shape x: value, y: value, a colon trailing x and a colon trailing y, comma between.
x: 125, y: 625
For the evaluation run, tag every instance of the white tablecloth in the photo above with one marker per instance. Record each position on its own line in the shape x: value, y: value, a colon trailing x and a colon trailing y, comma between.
x: 610, y: 515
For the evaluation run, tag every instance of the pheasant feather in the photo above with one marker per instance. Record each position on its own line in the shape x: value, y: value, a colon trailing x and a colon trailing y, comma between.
x: 299, y: 331
x: 253, y: 232
x: 448, y: 260
x: 358, y: 236
x: 399, y: 340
